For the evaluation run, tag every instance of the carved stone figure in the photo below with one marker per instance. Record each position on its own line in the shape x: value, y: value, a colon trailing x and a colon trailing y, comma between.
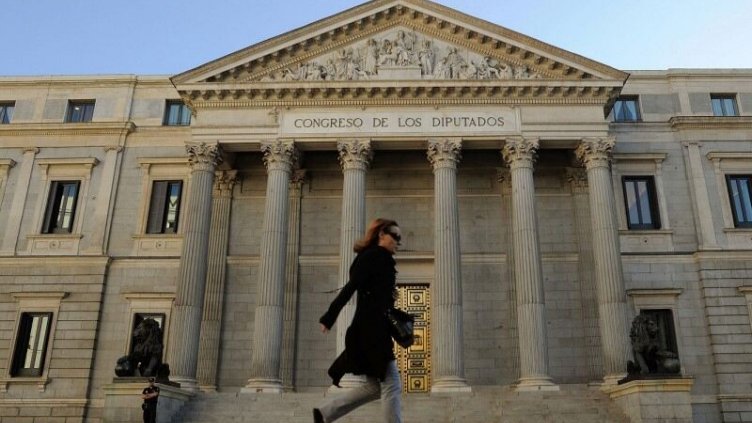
x: 146, y: 358
x: 371, y: 57
x: 426, y: 57
x: 649, y: 357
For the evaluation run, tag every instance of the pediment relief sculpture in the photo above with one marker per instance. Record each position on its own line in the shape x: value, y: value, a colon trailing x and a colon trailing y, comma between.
x: 401, y: 54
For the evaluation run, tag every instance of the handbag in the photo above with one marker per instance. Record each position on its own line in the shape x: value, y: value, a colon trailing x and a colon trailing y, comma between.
x: 401, y: 327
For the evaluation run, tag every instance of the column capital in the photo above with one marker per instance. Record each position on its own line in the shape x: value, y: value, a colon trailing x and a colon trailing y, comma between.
x: 577, y: 176
x: 355, y: 154
x: 519, y: 151
x: 596, y: 151
x: 443, y: 153
x: 115, y: 148
x: 279, y: 155
x: 203, y: 156
x: 224, y: 182
x: 298, y: 176
x: 34, y: 150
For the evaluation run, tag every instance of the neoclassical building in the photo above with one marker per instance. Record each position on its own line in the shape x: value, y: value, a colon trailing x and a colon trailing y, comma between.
x: 545, y: 200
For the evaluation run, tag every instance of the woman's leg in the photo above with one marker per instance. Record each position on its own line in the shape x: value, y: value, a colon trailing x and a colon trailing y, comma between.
x: 350, y: 399
x: 391, y: 394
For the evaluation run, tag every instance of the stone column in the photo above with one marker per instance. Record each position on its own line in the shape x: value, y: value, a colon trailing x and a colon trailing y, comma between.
x: 279, y: 158
x: 290, y: 322
x: 519, y: 154
x: 189, y: 298
x: 595, y: 153
x: 446, y: 289
x: 355, y: 157
x: 577, y: 178
x: 211, y: 323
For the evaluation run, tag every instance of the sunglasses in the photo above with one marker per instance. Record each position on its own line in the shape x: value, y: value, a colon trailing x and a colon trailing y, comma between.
x: 396, y: 237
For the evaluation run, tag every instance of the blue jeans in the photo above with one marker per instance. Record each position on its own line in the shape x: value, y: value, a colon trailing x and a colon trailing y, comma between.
x: 390, y: 391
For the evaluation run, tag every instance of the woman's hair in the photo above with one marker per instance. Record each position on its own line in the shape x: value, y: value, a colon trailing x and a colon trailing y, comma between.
x: 372, y: 234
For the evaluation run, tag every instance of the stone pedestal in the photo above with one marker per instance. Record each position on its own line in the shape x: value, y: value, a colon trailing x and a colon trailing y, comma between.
x: 122, y: 401
x: 654, y: 400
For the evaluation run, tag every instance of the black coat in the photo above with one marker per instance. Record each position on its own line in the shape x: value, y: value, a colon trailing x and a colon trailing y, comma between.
x: 368, y: 345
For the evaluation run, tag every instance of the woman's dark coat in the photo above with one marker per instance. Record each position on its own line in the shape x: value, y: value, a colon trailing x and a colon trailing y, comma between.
x: 368, y: 345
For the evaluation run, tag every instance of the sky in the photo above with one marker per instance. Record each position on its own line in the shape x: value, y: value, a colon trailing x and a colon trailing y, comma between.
x: 165, y: 37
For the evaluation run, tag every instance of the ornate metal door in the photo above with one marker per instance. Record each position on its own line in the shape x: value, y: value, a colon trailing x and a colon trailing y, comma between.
x: 415, y: 362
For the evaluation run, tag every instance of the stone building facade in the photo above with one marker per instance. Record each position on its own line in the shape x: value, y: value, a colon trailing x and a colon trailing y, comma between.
x: 545, y: 200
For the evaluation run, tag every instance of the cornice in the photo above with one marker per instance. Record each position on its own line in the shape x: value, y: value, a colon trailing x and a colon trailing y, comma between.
x: 67, y: 129
x: 417, y: 93
x: 680, y: 123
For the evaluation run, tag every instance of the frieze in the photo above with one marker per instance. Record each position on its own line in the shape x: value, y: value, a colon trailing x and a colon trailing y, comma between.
x: 402, y: 54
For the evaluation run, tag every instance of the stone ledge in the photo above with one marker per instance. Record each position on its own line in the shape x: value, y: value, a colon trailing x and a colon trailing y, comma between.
x: 650, y: 385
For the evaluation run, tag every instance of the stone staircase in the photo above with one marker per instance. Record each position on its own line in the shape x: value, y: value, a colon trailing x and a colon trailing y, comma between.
x: 574, y: 403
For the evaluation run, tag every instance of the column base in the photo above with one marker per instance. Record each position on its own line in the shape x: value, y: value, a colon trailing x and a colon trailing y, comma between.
x: 186, y: 383
x: 208, y: 389
x: 349, y: 381
x: 263, y: 386
x: 533, y: 384
x: 450, y: 385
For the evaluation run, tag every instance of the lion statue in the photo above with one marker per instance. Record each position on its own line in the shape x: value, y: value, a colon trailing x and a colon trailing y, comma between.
x: 146, y: 357
x: 649, y: 357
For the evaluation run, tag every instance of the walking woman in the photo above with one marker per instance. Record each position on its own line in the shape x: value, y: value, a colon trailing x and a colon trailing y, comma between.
x: 368, y: 345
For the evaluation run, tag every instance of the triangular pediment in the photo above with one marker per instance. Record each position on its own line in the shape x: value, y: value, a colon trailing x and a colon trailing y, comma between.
x: 399, y: 40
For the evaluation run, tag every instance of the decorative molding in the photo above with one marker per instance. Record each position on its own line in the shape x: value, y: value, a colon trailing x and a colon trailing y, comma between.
x: 224, y: 182
x: 86, y: 162
x: 656, y: 157
x: 668, y: 292
x: 67, y: 129
x: 680, y: 123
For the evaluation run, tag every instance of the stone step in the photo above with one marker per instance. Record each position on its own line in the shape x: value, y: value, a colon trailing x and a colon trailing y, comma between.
x: 574, y: 403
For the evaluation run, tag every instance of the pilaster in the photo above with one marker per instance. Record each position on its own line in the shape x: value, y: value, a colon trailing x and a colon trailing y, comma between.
x: 105, y: 196
x: 446, y: 290
x: 211, y: 322
x: 13, y: 224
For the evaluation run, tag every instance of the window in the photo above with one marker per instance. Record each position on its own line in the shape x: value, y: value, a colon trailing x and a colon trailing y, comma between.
x: 164, y: 207
x: 140, y: 317
x: 641, y: 202
x: 626, y: 109
x: 61, y: 207
x: 177, y: 114
x: 739, y: 187
x: 6, y: 112
x: 31, y: 344
x: 724, y: 105
x: 80, y: 111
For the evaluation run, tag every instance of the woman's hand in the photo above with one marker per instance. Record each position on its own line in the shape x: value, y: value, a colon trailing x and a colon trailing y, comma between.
x: 324, y: 329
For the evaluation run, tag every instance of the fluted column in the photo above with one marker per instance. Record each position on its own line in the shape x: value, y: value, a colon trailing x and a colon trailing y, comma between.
x: 355, y: 157
x: 279, y: 158
x: 189, y: 298
x: 519, y: 154
x: 595, y: 153
x: 211, y: 322
x: 446, y: 289
x: 290, y: 319
x: 577, y: 178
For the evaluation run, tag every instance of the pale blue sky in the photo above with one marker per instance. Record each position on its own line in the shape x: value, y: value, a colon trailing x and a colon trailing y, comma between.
x: 53, y: 37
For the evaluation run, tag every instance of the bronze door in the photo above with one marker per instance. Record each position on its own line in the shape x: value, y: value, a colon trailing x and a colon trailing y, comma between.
x: 415, y: 362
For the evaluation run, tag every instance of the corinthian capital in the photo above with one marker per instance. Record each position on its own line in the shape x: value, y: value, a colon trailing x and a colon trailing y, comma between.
x: 444, y: 153
x: 224, y: 181
x: 519, y: 150
x: 203, y: 156
x: 355, y: 154
x: 279, y: 155
x: 595, y: 152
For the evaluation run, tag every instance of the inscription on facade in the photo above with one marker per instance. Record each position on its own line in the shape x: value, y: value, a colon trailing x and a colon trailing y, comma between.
x: 465, y: 122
